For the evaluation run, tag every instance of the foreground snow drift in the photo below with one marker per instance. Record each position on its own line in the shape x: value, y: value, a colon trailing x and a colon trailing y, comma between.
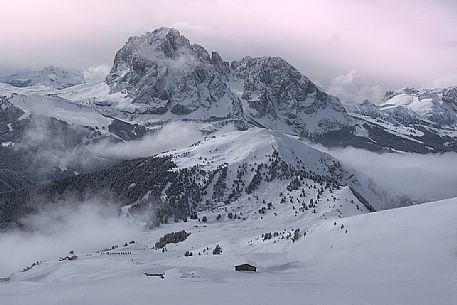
x: 401, y: 256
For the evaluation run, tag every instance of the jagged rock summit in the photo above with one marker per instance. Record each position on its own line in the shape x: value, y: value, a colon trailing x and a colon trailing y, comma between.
x: 277, y: 96
x: 167, y: 76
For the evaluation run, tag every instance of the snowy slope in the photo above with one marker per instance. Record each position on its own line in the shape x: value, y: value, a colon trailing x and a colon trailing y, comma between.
x: 248, y: 172
x: 60, y: 109
x: 402, y: 256
x: 40, y: 130
x: 253, y: 145
x: 269, y: 154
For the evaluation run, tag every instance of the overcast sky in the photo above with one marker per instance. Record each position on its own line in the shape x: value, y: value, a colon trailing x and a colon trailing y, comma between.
x: 361, y: 45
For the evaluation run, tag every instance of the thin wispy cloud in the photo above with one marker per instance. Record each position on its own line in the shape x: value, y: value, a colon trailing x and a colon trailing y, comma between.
x: 347, y: 87
x: 171, y: 136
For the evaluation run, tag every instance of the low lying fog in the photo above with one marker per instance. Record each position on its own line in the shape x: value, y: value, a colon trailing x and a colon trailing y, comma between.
x: 171, y: 136
x: 91, y: 226
x: 421, y: 177
x: 56, y: 231
x: 50, y: 149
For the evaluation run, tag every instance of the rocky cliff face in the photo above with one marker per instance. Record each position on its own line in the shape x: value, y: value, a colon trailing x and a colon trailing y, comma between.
x: 166, y: 75
x: 161, y: 77
x: 278, y: 96
x: 168, y: 78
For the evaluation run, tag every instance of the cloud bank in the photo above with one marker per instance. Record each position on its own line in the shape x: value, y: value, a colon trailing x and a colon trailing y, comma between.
x: 55, y: 149
x: 420, y: 177
x: 348, y: 88
x: 96, y: 73
x: 92, y: 225
x: 55, y: 231
x: 171, y: 136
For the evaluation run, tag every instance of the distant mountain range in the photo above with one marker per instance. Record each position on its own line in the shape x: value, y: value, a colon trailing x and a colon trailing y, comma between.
x: 161, y: 77
x: 426, y: 116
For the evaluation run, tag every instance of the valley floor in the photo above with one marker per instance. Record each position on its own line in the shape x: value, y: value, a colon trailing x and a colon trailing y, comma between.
x: 401, y: 256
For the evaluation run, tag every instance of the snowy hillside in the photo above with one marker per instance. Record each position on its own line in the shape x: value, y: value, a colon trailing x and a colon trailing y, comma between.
x: 434, y: 107
x: 257, y: 157
x: 402, y: 256
x: 44, y: 136
x: 60, y: 109
x: 246, y: 173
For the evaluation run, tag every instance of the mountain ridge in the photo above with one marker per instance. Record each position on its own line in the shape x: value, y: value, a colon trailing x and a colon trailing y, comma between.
x: 162, y: 77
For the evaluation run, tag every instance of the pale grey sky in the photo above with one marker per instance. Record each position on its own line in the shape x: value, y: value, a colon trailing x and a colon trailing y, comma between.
x: 388, y: 43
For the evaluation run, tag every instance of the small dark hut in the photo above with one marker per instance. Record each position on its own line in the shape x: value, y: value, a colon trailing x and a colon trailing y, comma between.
x: 161, y: 275
x: 246, y: 267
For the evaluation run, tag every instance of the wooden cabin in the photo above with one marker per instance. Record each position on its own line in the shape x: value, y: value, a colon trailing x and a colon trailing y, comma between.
x: 246, y: 267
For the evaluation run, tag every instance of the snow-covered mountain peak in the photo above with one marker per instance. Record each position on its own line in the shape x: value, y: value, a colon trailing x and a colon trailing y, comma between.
x: 254, y: 145
x: 168, y: 76
x: 249, y: 161
x: 164, y: 31
x: 161, y: 76
x: 165, y: 44
x: 407, y: 90
x: 450, y: 94
x: 50, y: 76
x: 165, y: 41
x: 263, y: 61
